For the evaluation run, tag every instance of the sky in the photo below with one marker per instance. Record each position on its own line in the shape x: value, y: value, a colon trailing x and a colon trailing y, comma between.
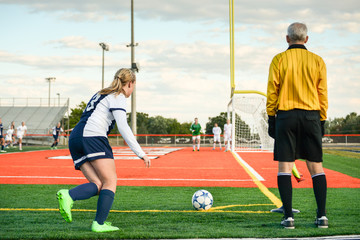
x: 183, y: 50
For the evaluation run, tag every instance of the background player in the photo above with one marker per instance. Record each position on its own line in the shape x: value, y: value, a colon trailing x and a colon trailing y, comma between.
x: 216, y: 131
x: 21, y: 133
x: 12, y: 125
x: 9, y: 136
x: 92, y: 153
x: 227, y: 135
x: 56, y: 130
x: 195, y: 130
x: 2, y: 139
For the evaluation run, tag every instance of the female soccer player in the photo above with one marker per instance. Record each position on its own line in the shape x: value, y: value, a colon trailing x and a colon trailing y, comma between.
x: 9, y: 136
x: 21, y: 133
x: 56, y: 130
x: 92, y: 154
x: 2, y: 139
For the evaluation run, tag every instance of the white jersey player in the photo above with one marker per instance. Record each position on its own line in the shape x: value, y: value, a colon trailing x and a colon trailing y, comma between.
x: 217, y: 132
x: 92, y: 153
x: 21, y: 133
x: 227, y: 135
x: 9, y: 135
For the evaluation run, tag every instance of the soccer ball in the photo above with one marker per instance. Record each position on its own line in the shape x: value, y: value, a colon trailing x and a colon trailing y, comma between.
x: 202, y: 200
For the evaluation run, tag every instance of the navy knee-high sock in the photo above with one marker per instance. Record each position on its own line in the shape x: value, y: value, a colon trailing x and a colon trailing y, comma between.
x: 320, y: 189
x: 83, y: 191
x: 285, y: 190
x: 105, y: 201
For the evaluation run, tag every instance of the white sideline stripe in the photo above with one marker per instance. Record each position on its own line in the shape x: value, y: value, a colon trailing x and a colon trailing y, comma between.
x: 115, y: 157
x: 256, y: 174
x: 139, y: 179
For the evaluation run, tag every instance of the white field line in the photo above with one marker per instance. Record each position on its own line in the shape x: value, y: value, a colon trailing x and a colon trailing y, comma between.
x: 138, y: 179
x: 256, y: 174
x: 115, y: 157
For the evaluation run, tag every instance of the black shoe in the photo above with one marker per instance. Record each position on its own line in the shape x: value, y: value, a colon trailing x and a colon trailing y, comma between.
x: 288, y: 223
x: 281, y: 210
x: 322, y: 222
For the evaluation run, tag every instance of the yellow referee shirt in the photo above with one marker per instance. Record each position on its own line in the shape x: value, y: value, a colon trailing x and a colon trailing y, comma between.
x: 297, y: 80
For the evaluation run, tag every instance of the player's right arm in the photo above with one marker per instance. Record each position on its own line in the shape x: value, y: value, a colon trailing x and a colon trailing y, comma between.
x: 127, y: 134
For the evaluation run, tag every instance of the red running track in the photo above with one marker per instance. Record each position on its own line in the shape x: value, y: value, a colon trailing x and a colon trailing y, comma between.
x: 181, y: 167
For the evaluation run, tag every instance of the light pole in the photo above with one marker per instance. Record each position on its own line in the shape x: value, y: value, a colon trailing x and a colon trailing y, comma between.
x: 104, y: 47
x: 135, y: 68
x: 58, y: 99
x: 49, y: 79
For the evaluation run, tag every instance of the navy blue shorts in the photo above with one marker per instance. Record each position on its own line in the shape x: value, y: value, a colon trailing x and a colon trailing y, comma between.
x: 55, y: 137
x: 298, y: 136
x: 86, y: 149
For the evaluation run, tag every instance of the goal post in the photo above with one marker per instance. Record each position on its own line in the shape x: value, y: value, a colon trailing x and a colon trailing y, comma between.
x: 247, y: 111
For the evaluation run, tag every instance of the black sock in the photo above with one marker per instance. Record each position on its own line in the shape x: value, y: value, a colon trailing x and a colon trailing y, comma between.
x: 320, y: 189
x: 83, y: 191
x: 2, y: 147
x: 56, y: 144
x: 52, y: 145
x: 285, y: 190
x: 105, y: 201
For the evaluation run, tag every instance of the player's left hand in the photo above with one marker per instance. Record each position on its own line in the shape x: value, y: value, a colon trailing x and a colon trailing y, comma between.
x: 147, y: 161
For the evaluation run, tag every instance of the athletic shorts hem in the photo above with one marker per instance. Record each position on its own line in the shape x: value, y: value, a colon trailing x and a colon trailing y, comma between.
x: 85, y: 149
x: 195, y: 137
x: 310, y: 160
x: 86, y: 159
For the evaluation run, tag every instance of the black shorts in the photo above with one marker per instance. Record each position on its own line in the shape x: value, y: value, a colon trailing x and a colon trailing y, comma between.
x: 85, y: 149
x: 298, y: 136
x: 55, y: 137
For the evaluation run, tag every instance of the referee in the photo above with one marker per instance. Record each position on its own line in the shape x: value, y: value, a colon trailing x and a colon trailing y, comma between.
x: 296, y: 104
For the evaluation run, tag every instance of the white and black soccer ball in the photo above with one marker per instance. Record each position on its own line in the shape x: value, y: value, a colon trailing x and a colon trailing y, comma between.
x: 202, y: 200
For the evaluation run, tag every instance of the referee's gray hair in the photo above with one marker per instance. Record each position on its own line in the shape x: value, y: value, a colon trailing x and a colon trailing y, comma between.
x: 297, y: 32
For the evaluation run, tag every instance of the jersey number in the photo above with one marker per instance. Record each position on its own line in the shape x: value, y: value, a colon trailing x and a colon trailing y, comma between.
x: 91, y: 104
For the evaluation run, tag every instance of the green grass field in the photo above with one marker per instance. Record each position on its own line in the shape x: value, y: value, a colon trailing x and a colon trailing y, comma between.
x: 166, y: 212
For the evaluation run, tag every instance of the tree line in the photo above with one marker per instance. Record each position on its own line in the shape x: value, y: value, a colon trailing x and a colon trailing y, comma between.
x: 161, y: 125
x: 347, y: 125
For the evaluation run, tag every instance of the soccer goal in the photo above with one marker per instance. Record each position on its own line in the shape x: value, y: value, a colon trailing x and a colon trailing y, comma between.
x: 247, y: 111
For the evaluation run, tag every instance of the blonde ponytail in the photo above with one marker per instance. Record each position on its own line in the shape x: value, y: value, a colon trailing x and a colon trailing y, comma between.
x: 122, y: 77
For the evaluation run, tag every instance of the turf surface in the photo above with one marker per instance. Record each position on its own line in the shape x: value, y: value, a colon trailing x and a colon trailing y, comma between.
x: 166, y: 212
x: 174, y: 217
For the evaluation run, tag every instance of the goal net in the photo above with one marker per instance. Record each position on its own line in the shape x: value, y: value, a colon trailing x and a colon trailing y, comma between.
x: 247, y: 111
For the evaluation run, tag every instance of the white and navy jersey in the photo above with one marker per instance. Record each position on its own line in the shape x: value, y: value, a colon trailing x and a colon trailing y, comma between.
x: 99, y: 118
x: 216, y: 130
x: 227, y: 129
x: 21, y: 130
x: 1, y: 129
x: 57, y: 130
